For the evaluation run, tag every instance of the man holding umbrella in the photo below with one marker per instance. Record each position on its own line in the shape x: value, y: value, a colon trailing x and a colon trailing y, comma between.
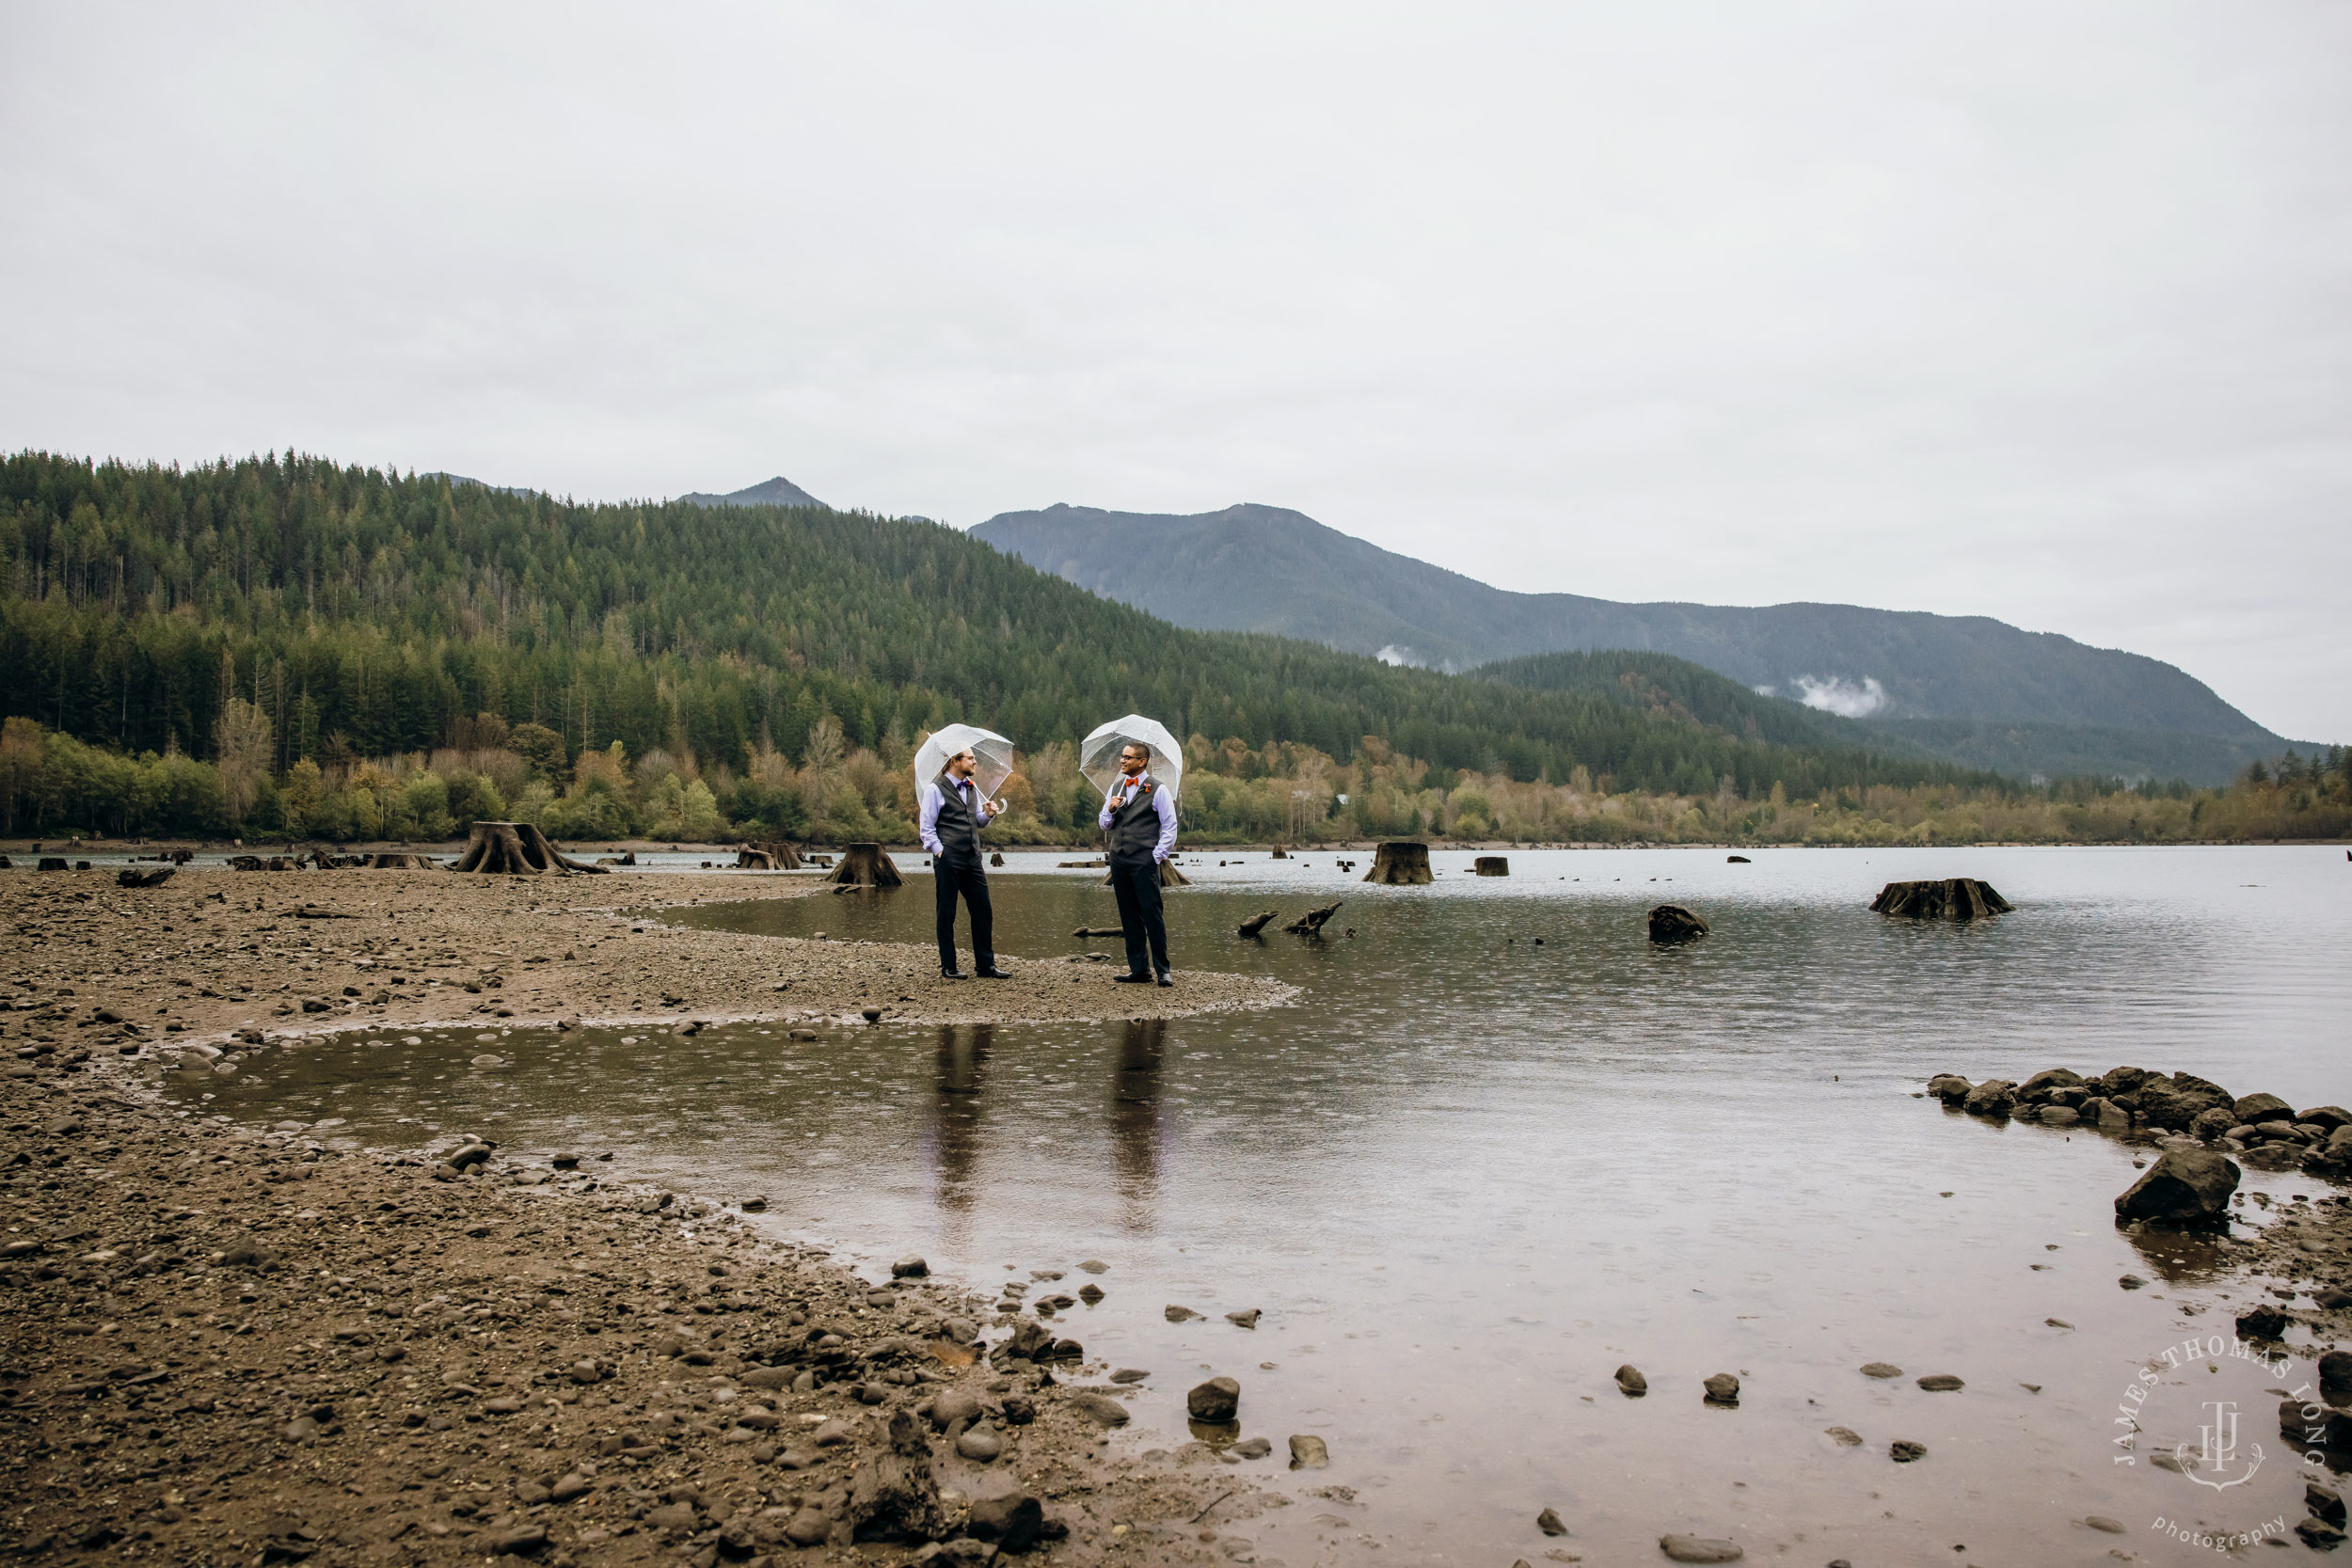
x: 1138, y: 817
x: 951, y: 811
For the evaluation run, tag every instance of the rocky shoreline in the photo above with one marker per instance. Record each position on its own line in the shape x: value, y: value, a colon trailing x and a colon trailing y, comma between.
x: 230, y: 1344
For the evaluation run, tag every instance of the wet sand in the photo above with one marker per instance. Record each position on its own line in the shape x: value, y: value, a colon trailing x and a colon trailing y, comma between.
x: 226, y: 1344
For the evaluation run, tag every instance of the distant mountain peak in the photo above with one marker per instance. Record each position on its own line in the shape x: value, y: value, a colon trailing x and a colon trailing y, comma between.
x: 778, y: 491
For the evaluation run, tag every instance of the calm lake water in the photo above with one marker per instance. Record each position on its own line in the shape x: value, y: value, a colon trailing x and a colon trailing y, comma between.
x: 1468, y: 1175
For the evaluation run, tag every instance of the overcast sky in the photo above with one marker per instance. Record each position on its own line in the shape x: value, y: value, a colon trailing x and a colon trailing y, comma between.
x: 2027, y: 311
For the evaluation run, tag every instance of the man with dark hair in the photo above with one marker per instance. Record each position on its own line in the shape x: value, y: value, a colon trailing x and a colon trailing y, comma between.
x: 1140, y: 822
x: 950, y: 819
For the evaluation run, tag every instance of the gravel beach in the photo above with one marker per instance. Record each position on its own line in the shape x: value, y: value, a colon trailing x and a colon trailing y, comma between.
x: 235, y: 1344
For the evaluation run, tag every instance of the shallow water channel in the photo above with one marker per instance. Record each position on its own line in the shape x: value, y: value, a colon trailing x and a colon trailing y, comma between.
x: 1468, y: 1175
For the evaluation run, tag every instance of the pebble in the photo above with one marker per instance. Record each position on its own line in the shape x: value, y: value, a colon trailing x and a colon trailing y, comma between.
x: 1099, y: 1408
x: 1881, y: 1369
x: 1722, y: 1389
x: 1178, y: 1314
x: 1631, y: 1382
x: 1244, y: 1319
x: 1941, y: 1382
x: 1903, y: 1452
x: 1699, y: 1549
x: 1549, y: 1522
x: 2101, y: 1522
x: 1845, y: 1437
x: 1308, y: 1452
x: 1252, y: 1448
x: 1129, y: 1375
x: 980, y: 1445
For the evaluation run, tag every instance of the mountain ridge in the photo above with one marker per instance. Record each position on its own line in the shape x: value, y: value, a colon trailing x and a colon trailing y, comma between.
x: 1958, y: 686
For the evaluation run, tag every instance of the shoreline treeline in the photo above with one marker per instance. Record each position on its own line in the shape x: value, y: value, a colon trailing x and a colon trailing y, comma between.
x: 53, y: 784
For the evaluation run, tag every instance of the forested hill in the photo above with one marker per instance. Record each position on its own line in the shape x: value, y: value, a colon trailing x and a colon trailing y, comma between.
x: 1678, y: 689
x: 369, y: 612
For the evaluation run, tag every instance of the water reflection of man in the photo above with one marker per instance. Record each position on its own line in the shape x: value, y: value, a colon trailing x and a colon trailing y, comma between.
x: 1140, y: 822
x: 950, y: 818
x: 963, y: 1049
x: 1135, y: 1123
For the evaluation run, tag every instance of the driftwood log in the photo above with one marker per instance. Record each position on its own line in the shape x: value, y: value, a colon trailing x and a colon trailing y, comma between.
x: 1400, y: 864
x: 1255, y: 923
x: 1310, y: 924
x: 1670, y: 923
x: 128, y: 878
x: 1954, y: 899
x: 515, y: 849
x: 1085, y: 931
x: 1492, y: 865
x: 865, y: 866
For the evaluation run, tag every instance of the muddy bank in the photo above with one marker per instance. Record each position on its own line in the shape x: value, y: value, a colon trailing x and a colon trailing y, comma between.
x: 212, y: 950
x: 229, y: 1344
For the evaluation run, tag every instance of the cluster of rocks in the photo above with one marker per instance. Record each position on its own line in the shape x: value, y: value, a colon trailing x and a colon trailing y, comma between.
x: 2264, y: 1130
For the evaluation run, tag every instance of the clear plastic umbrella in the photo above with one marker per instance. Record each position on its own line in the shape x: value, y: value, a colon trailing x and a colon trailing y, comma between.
x: 991, y: 756
x: 1098, y: 754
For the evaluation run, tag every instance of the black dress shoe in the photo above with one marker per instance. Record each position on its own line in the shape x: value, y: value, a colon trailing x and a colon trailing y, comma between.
x: 1167, y: 979
x: 993, y: 973
x: 1131, y: 979
x: 953, y: 974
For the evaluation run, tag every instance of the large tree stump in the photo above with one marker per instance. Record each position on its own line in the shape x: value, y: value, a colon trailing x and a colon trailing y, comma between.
x: 1954, y: 899
x: 1310, y: 924
x: 1670, y: 923
x: 1492, y: 865
x: 515, y: 849
x: 781, y: 854
x: 1400, y: 864
x: 754, y: 860
x: 865, y: 866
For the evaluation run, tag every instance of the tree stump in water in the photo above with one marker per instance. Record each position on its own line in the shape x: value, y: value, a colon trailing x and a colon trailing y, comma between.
x: 515, y: 849
x: 128, y: 878
x: 1255, y: 923
x: 1310, y: 924
x: 1671, y: 923
x: 1170, y: 876
x: 782, y: 853
x: 1492, y: 865
x: 1954, y: 899
x: 865, y: 866
x: 399, y: 860
x: 1400, y: 864
x: 754, y: 860
x: 996, y: 858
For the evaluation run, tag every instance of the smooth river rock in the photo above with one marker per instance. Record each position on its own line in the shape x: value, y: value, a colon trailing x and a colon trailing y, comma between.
x: 1218, y: 1400
x: 1700, y: 1548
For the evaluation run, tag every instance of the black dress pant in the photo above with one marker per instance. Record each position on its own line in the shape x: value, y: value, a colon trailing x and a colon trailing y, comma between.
x: 1137, y: 885
x: 950, y: 877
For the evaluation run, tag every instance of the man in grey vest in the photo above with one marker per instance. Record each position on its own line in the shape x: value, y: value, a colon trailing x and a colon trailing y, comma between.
x: 950, y: 819
x: 1139, y: 820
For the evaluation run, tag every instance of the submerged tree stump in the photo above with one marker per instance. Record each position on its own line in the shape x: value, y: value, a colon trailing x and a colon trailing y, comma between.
x: 754, y: 860
x: 1170, y: 876
x: 865, y: 866
x: 1400, y: 864
x: 1492, y: 865
x: 1310, y: 924
x: 1670, y: 923
x: 1255, y: 923
x: 1954, y: 899
x: 128, y: 878
x: 515, y: 849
